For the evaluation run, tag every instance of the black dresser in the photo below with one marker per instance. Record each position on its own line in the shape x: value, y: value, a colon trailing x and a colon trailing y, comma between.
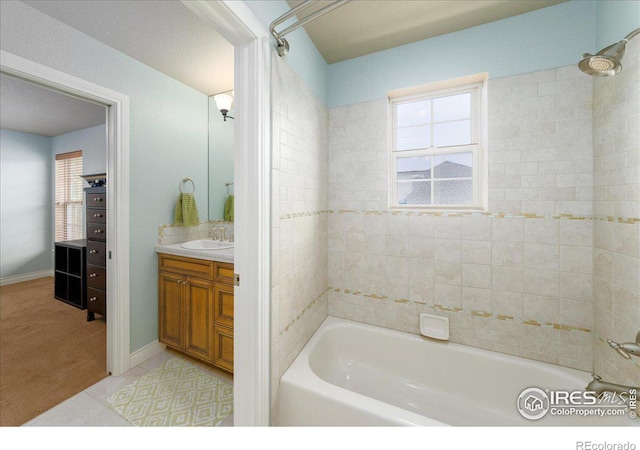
x: 96, y: 217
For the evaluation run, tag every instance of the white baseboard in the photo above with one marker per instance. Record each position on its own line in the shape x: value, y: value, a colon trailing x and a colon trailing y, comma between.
x: 26, y: 277
x: 145, y: 353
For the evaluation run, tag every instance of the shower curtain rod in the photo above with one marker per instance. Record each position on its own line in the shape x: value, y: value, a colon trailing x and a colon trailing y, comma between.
x: 283, y: 45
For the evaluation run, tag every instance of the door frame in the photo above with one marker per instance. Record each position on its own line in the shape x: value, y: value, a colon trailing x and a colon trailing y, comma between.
x: 117, y: 122
x: 235, y: 22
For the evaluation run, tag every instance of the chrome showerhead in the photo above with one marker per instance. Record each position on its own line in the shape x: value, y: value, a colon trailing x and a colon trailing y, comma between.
x: 607, y: 62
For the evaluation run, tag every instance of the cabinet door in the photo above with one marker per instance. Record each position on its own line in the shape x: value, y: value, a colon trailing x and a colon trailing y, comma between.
x: 199, y: 318
x: 171, y: 309
x: 223, y: 355
x: 223, y: 304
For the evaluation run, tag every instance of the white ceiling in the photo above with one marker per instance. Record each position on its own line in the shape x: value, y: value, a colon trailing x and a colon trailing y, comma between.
x: 164, y: 35
x: 36, y: 110
x: 361, y: 27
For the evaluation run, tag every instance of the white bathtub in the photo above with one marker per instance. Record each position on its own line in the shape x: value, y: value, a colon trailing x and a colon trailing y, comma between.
x: 352, y: 374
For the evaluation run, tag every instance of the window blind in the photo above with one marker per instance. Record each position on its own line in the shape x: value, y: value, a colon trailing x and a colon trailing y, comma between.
x: 68, y: 196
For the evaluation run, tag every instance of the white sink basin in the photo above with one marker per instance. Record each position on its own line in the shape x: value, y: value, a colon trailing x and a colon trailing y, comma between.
x: 207, y: 244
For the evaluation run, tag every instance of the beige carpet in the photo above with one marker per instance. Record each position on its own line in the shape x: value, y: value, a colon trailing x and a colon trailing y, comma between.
x: 177, y: 394
x: 48, y: 350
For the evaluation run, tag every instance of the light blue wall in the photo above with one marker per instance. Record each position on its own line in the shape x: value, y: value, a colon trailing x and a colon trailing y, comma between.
x: 304, y: 58
x: 26, y: 207
x: 614, y: 20
x: 220, y: 160
x: 93, y: 143
x: 168, y: 137
x: 550, y: 37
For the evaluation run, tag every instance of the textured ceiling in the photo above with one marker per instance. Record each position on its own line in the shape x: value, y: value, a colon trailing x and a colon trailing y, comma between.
x: 164, y: 35
x: 361, y: 27
x: 36, y: 110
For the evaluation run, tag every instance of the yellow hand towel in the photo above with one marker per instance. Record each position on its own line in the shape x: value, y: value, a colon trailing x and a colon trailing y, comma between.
x: 228, y: 209
x: 186, y: 212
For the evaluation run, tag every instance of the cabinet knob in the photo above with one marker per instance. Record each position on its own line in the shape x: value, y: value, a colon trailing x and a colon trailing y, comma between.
x: 178, y: 281
x: 93, y: 251
x: 97, y: 199
x: 93, y: 299
x: 98, y: 231
x: 97, y: 216
x: 93, y: 275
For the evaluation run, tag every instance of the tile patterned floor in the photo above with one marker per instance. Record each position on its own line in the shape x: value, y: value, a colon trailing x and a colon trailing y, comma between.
x: 89, y: 407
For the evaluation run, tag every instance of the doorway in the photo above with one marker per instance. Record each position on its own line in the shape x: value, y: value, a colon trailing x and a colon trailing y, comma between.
x: 49, y: 351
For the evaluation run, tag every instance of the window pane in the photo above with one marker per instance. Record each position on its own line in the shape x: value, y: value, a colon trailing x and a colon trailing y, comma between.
x: 414, y: 193
x: 453, y: 165
x: 69, y: 193
x: 414, y: 168
x: 454, y: 107
x: 414, y: 113
x: 413, y: 137
x: 454, y: 192
x: 452, y: 133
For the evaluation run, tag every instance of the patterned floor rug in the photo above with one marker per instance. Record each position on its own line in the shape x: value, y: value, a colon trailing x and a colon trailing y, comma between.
x: 177, y: 394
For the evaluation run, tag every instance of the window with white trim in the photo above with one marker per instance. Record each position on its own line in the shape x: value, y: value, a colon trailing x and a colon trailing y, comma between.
x: 437, y: 159
x: 69, y: 211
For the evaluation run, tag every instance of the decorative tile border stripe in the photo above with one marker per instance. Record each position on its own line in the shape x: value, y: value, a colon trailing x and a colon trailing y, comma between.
x: 475, y: 313
x: 303, y: 312
x: 303, y: 214
x: 488, y: 215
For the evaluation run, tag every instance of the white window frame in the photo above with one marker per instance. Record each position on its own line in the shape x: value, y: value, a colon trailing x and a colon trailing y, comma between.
x: 474, y: 84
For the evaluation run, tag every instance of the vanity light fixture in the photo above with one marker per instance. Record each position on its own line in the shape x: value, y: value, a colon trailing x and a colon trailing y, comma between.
x: 224, y: 102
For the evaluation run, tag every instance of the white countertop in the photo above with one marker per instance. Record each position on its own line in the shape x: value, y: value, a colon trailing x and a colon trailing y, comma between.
x: 225, y: 255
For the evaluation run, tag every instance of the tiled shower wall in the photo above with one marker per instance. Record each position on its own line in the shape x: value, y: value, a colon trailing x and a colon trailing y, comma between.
x: 299, y: 219
x: 517, y: 279
x: 616, y: 134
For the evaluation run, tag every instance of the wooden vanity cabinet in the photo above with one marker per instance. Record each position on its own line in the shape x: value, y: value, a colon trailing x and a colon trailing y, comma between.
x: 195, y: 300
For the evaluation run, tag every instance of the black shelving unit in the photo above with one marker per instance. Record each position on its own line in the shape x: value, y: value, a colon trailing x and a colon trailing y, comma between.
x: 70, y: 272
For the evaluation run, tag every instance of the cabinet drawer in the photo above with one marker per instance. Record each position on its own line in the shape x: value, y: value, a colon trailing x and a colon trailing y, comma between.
x: 97, y: 301
x: 97, y: 253
x: 96, y: 277
x: 186, y: 266
x: 96, y: 200
x: 223, y: 351
x: 96, y: 215
x: 97, y: 231
x: 224, y: 273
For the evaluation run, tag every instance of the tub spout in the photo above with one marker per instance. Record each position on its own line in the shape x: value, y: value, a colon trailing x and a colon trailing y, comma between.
x: 628, y: 348
x: 598, y: 386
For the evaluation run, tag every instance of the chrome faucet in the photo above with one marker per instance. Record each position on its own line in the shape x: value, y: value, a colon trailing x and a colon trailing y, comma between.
x: 598, y: 386
x: 223, y: 238
x: 214, y: 233
x: 628, y: 348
